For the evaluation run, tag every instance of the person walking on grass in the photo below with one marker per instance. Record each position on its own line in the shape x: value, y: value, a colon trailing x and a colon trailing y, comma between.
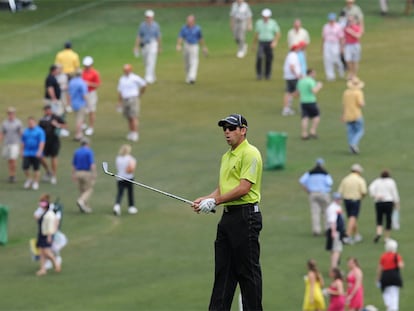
x: 335, y: 229
x: 240, y: 22
x: 237, y: 248
x: 353, y: 189
x: 131, y: 87
x: 125, y: 166
x: 33, y: 143
x: 92, y: 79
x: 307, y: 88
x: 313, y: 300
x: 78, y: 91
x: 10, y: 134
x: 354, y: 300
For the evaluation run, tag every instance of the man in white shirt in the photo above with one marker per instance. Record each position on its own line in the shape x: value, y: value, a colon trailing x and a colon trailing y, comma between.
x: 240, y: 22
x: 291, y: 74
x: 130, y: 89
x: 335, y: 228
x: 332, y: 37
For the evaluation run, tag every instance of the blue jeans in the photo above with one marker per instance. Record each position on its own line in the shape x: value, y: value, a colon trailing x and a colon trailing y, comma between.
x: 355, y: 131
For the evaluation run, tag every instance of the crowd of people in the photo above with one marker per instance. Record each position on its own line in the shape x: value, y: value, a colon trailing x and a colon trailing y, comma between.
x: 72, y: 89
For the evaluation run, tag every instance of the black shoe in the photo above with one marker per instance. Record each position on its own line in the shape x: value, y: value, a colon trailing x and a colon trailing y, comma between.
x: 377, y: 238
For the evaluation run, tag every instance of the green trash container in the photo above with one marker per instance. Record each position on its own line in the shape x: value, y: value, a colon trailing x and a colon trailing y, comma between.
x: 276, y: 150
x: 4, y: 213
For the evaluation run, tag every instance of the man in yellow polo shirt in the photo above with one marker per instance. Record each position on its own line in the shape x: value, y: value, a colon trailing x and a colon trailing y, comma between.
x: 68, y: 59
x: 237, y: 248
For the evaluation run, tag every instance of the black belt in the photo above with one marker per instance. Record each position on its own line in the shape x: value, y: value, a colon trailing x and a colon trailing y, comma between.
x: 233, y: 208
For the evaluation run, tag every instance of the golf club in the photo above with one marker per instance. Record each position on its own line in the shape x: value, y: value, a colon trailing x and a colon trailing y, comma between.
x: 106, y: 170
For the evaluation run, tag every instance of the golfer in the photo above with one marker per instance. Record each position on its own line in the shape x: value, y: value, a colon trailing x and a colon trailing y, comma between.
x: 237, y: 248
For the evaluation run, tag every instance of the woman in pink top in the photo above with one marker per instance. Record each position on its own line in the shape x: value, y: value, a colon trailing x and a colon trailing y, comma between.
x: 336, y: 291
x: 352, y: 50
x: 355, y: 289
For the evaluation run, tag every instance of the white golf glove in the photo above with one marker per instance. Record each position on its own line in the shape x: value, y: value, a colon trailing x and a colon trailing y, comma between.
x: 207, y: 205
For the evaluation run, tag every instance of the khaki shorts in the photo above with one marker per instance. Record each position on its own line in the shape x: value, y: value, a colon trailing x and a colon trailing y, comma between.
x: 131, y: 107
x: 57, y: 106
x: 80, y: 115
x: 11, y: 151
x: 91, y: 101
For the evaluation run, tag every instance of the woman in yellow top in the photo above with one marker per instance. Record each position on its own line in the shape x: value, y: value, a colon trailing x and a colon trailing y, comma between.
x: 313, y: 300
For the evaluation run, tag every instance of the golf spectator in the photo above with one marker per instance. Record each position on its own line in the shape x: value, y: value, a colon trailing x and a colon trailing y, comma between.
x: 93, y: 80
x: 240, y: 23
x: 352, y: 102
x: 63, y: 82
x: 125, y: 166
x: 314, y: 283
x: 148, y: 43
x: 335, y: 225
x: 47, y: 221
x: 266, y: 37
x: 317, y: 183
x: 51, y: 124
x: 53, y: 91
x: 291, y: 75
x: 308, y: 87
x: 384, y: 7
x: 69, y: 59
x: 352, y: 49
x: 11, y: 132
x: 237, y: 248
x: 351, y: 9
x: 33, y: 143
x: 332, y: 38
x: 130, y: 89
x: 354, y: 300
x: 385, y: 194
x: 297, y: 35
x: 78, y: 91
x: 353, y: 189
x: 336, y: 291
x: 389, y: 275
x: 84, y: 173
x: 191, y: 37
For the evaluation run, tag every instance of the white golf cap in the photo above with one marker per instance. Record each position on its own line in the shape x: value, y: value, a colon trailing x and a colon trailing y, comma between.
x: 87, y: 61
x: 266, y: 13
x: 357, y: 168
x: 149, y: 13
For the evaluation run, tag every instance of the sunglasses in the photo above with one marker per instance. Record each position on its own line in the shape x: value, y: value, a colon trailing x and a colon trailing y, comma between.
x: 231, y: 128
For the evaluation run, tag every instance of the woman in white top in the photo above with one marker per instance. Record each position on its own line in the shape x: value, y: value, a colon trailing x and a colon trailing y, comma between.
x: 125, y: 166
x: 385, y: 194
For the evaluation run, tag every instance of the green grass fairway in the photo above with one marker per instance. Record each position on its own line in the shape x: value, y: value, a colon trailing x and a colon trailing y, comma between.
x: 162, y: 258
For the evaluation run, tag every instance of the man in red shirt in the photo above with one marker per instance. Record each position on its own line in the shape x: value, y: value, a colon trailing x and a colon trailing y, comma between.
x: 93, y: 80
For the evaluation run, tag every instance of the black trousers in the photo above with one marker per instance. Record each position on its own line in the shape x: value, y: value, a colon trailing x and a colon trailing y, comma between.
x: 237, y: 252
x: 384, y: 209
x: 264, y: 54
x: 122, y: 185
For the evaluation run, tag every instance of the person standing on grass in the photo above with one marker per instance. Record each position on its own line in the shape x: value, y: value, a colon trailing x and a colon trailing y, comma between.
x: 240, y: 22
x: 313, y: 300
x: 131, y: 87
x: 353, y: 189
x: 354, y: 300
x: 353, y: 101
x: 84, y: 173
x: 69, y: 60
x: 78, y: 91
x: 336, y: 291
x: 148, y: 43
x: 51, y: 124
x: 352, y: 49
x: 125, y: 166
x: 385, y: 194
x: 307, y: 88
x: 266, y: 36
x: 237, y: 248
x: 291, y: 75
x: 33, y: 143
x: 317, y: 183
x: 191, y: 37
x: 11, y: 132
x: 296, y: 35
x: 93, y: 81
x: 53, y: 91
x: 335, y: 229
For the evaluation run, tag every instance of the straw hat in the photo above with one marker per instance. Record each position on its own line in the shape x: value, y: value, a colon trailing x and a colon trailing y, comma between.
x: 355, y: 83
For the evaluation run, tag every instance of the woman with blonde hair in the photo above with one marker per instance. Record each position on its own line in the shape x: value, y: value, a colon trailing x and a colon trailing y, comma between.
x: 125, y: 166
x: 313, y: 300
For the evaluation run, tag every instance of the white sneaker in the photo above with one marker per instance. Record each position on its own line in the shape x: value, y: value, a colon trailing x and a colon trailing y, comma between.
x: 53, y: 180
x: 117, y: 210
x: 240, y: 54
x: 64, y: 133
x: 134, y: 136
x: 89, y: 131
x: 27, y: 184
x: 35, y: 186
x: 132, y: 210
x: 48, y: 265
x: 68, y: 109
x: 358, y: 238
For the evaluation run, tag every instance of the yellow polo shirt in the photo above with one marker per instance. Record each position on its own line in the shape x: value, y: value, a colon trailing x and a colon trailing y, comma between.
x: 69, y: 60
x: 245, y: 162
x: 352, y: 100
x: 353, y: 187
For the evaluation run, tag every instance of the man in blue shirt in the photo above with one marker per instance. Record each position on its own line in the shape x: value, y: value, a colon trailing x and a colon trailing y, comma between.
x: 84, y: 173
x: 33, y: 143
x: 148, y: 42
x: 191, y: 35
x: 317, y: 183
x: 78, y: 90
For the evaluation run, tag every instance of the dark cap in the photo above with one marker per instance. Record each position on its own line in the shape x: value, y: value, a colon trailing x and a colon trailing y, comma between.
x: 68, y: 45
x: 234, y: 119
x: 47, y: 106
x: 53, y: 67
